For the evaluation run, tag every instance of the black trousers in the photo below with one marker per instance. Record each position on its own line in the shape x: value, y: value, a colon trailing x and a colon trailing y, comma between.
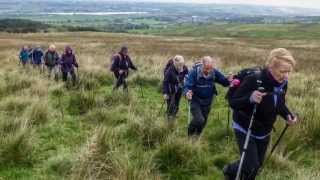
x: 253, y: 160
x: 73, y: 76
x: 173, y: 104
x: 199, y: 118
x: 120, y: 81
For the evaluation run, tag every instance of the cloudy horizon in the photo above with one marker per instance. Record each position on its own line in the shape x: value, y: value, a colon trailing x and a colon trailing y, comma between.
x: 315, y: 4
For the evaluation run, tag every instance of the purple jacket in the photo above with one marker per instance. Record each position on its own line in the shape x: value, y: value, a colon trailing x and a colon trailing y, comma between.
x: 68, y: 61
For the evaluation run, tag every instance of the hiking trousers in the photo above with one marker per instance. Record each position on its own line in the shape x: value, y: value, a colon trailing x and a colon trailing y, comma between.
x: 199, y: 118
x: 173, y: 104
x: 73, y: 76
x: 120, y: 81
x: 253, y: 159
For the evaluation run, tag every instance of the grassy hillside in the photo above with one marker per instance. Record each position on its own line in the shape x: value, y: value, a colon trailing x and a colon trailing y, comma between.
x: 49, y: 131
x: 260, y: 31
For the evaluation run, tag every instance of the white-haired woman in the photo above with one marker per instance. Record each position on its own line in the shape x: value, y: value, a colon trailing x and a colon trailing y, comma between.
x: 270, y: 103
x: 51, y: 60
x: 172, y: 86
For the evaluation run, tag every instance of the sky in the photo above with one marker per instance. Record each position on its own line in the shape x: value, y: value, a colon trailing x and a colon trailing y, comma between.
x: 296, y: 3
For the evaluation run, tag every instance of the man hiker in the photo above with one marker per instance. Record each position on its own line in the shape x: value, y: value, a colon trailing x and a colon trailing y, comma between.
x: 200, y: 90
x: 174, y: 75
x: 24, y: 56
x: 37, y: 57
x: 68, y: 62
x: 51, y: 60
x: 273, y: 79
x: 121, y: 62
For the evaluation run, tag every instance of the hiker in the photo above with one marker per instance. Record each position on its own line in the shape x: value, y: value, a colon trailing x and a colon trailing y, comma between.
x: 269, y: 103
x: 51, y: 60
x: 37, y: 57
x: 121, y: 62
x: 174, y: 75
x: 200, y: 90
x: 24, y: 56
x: 68, y: 62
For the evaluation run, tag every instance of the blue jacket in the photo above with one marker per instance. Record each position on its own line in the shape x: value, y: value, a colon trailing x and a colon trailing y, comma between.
x: 24, y: 55
x: 204, y: 88
x: 37, y: 55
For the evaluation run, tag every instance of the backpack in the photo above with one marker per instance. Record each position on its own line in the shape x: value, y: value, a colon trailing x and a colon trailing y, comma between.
x: 168, y: 65
x: 113, y: 61
x: 239, y: 77
x: 197, y: 67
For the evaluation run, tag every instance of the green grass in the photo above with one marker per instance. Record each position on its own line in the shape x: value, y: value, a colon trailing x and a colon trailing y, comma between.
x: 51, y: 131
x: 270, y: 31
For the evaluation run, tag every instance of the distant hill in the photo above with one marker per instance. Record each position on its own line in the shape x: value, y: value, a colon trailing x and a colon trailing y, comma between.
x: 22, y: 26
x: 174, y: 11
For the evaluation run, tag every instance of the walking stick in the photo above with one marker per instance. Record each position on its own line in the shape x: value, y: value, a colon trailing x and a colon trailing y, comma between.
x: 246, y: 143
x: 189, y: 112
x: 164, y: 101
x: 278, y: 141
x: 275, y: 145
x: 141, y: 90
x: 228, y: 122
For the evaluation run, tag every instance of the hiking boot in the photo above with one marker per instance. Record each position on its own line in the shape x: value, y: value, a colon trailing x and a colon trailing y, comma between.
x: 225, y: 170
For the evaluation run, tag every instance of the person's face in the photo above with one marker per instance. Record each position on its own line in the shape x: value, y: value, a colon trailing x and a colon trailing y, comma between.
x: 207, y: 68
x: 179, y: 68
x: 125, y: 52
x: 281, y: 71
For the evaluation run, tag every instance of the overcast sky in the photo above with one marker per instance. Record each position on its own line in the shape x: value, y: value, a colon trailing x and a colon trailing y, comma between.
x: 297, y: 3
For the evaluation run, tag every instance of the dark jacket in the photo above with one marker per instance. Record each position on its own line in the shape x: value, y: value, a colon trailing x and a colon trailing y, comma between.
x: 204, y: 88
x: 37, y: 55
x: 68, y: 61
x: 173, y: 80
x: 51, y: 58
x: 121, y: 62
x: 267, y: 110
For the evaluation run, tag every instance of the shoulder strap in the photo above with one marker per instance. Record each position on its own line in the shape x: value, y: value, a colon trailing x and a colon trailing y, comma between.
x: 120, y: 57
x: 198, y: 72
x: 259, y: 79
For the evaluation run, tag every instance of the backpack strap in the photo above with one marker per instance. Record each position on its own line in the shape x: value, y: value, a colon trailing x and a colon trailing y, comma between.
x: 198, y: 70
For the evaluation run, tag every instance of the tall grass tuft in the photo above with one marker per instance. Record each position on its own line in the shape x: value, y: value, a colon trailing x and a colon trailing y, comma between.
x: 15, y: 82
x: 103, y: 115
x: 15, y: 106
x: 16, y: 144
x: 39, y: 112
x: 99, y: 159
x: 81, y: 102
x: 180, y: 158
x: 149, y: 131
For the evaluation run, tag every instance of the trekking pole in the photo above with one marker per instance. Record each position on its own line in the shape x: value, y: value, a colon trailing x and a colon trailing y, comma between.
x: 189, y: 112
x: 278, y: 141
x: 275, y: 145
x: 140, y: 85
x: 164, y: 101
x: 246, y: 143
x: 141, y: 90
x: 228, y: 121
